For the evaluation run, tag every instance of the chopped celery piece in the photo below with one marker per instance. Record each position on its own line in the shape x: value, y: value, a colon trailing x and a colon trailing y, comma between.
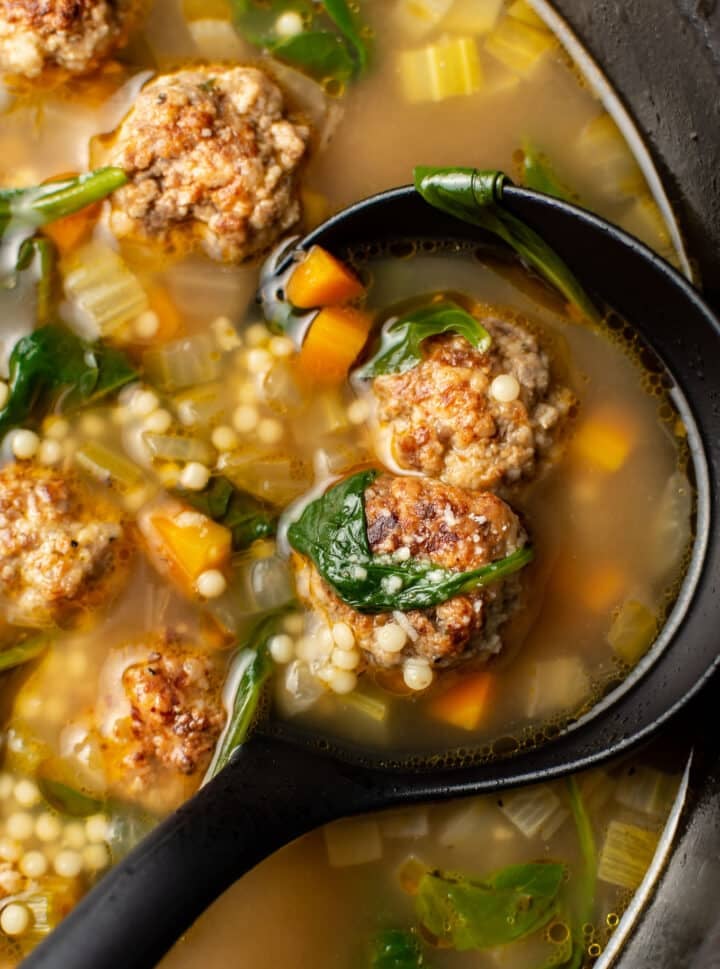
x: 184, y: 363
x: 200, y: 406
x: 108, y: 467
x: 370, y: 706
x: 277, y: 478
x: 632, y: 632
x: 518, y: 46
x: 626, y: 854
x: 647, y: 791
x: 170, y: 447
x: 217, y: 40
x: 104, y: 291
x: 444, y: 70
x: 557, y: 685
x: 531, y: 809
x: 49, y: 904
x: 417, y: 17
x: 352, y: 842
x: 473, y: 16
x: 521, y: 10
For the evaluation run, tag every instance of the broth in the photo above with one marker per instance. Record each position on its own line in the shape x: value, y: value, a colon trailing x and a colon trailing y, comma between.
x: 93, y: 756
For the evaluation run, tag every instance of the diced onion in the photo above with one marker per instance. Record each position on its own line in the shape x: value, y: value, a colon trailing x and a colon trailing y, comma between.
x: 531, y: 809
x: 104, y: 293
x: 352, y: 842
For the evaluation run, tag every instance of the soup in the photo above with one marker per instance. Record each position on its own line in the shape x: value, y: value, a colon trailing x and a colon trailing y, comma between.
x: 163, y: 443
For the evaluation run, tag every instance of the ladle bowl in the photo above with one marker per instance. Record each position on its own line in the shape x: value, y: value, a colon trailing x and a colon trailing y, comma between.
x: 283, y: 783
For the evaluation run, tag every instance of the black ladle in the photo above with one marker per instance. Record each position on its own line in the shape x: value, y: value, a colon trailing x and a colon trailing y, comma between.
x: 281, y: 784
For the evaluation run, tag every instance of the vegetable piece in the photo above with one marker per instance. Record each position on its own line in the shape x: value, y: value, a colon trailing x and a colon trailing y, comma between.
x: 408, y: 823
x: 632, y: 631
x: 273, y: 477
x: 191, y: 542
x: 605, y: 440
x: 53, y: 366
x: 108, y: 466
x: 247, y: 518
x: 67, y: 800
x: 22, y: 652
x: 602, y: 587
x: 171, y: 447
x: 530, y: 809
x: 40, y: 254
x: 333, y: 343
x: 72, y: 230
x: 448, y: 69
x: 355, y: 841
x: 626, y: 854
x: 647, y: 791
x: 559, y: 684
x: 183, y: 363
x: 584, y: 890
x: 106, y: 294
x: 129, y: 824
x: 30, y: 208
x: 473, y: 16
x: 476, y: 197
x: 169, y: 317
x: 417, y: 17
x: 369, y: 705
x: 401, y: 339
x: 506, y: 905
x: 521, y: 10
x: 518, y: 45
x: 539, y: 175
x: 332, y: 532
x: 322, y: 280
x: 396, y: 949
x: 465, y: 704
x: 217, y: 40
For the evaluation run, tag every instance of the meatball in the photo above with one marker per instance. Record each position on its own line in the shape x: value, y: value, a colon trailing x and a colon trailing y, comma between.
x: 450, y: 527
x: 443, y: 417
x: 63, y: 552
x: 213, y: 161
x: 76, y: 35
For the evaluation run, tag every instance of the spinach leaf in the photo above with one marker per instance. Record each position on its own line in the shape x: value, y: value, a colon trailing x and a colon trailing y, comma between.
x: 52, y: 366
x: 256, y: 20
x: 251, y: 671
x: 319, y: 53
x: 67, y: 800
x: 30, y: 208
x: 477, y: 197
x: 247, y: 517
x: 340, y: 13
x: 332, y: 532
x: 22, y: 652
x: 400, y: 341
x: 538, y: 174
x: 396, y: 949
x: 507, y: 905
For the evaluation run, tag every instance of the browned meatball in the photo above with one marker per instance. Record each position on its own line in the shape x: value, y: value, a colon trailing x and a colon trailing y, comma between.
x: 450, y: 527
x: 76, y: 35
x: 444, y: 420
x: 213, y: 161
x: 63, y: 552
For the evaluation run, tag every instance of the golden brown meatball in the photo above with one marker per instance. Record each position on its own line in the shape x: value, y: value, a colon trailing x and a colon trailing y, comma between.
x: 453, y: 528
x: 63, y: 552
x: 444, y: 420
x: 213, y: 162
x: 76, y: 35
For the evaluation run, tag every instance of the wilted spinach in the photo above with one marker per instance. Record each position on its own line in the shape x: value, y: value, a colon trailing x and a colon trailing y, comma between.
x: 22, y: 652
x: 397, y: 949
x: 247, y: 517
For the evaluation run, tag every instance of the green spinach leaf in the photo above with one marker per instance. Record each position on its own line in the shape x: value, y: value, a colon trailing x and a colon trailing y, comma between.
x: 539, y: 175
x: 400, y: 341
x: 247, y: 517
x: 505, y: 906
x: 397, y: 949
x: 477, y: 197
x: 52, y: 366
x: 340, y: 13
x: 22, y: 652
x: 67, y: 800
x: 319, y: 53
x: 332, y: 532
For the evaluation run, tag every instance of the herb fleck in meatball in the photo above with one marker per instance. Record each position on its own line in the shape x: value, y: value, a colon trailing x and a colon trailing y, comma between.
x: 213, y: 161
x: 76, y: 35
x: 63, y: 552
x: 451, y: 418
x: 450, y: 527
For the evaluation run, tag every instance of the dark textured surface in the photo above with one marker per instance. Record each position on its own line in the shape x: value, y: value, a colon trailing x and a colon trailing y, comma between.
x: 663, y: 56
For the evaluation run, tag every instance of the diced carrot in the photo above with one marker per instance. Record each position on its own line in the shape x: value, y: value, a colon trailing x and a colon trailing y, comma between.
x: 464, y: 704
x: 605, y: 440
x: 336, y: 337
x: 191, y: 542
x: 168, y: 315
x: 70, y: 231
x: 322, y: 280
x: 602, y: 587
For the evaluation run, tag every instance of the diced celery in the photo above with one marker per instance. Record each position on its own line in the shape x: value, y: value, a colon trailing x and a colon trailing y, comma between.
x: 200, y: 406
x: 557, y: 685
x: 279, y: 478
x: 217, y: 40
x: 184, y: 363
x: 626, y: 854
x: 171, y: 447
x: 417, y: 17
x: 409, y: 823
x: 108, y: 466
x: 473, y: 16
x: 518, y: 46
x: 521, y: 10
x: 632, y: 631
x: 647, y: 791
x: 596, y: 789
x: 352, y: 842
x: 530, y: 809
x: 104, y: 292
x: 370, y: 706
x: 448, y: 69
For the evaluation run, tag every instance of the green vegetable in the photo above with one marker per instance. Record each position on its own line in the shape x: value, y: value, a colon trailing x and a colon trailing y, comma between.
x: 330, y: 46
x: 30, y: 208
x: 247, y: 517
x: 40, y: 252
x: 396, y: 949
x: 507, y: 905
x: 128, y: 826
x: 584, y: 892
x: 477, y: 197
x: 22, y: 652
x: 67, y: 800
x: 332, y: 532
x: 251, y: 673
x: 400, y: 342
x: 538, y: 174
x: 54, y: 366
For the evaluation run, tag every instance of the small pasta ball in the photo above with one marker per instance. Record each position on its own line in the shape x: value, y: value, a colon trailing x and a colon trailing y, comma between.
x: 33, y: 864
x: 24, y: 444
x: 417, y: 674
x: 15, y: 919
x: 194, y: 476
x: 211, y: 584
x: 68, y: 863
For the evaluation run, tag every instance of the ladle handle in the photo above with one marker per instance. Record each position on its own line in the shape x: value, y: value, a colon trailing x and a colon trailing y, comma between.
x: 271, y: 793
